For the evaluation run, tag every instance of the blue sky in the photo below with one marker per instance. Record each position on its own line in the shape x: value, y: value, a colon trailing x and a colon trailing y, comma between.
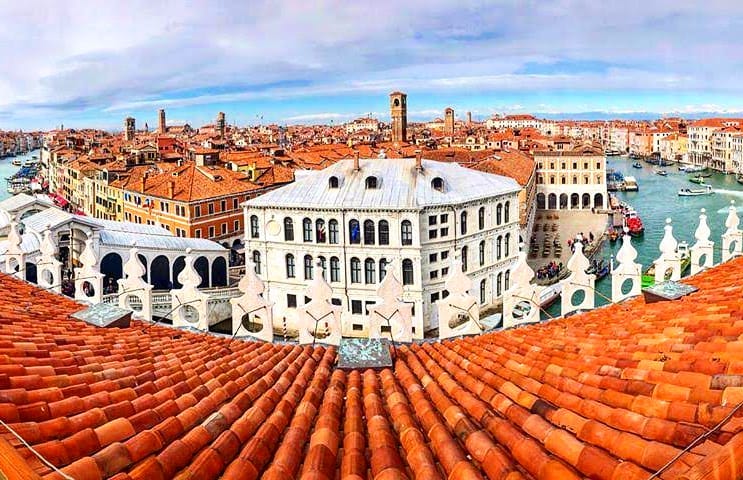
x: 83, y: 64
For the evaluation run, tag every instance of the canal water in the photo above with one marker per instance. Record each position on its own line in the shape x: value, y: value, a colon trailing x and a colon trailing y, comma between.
x: 7, y: 169
x: 656, y: 200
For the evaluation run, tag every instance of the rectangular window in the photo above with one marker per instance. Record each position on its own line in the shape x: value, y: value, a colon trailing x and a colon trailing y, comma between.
x: 291, y: 300
x: 211, y: 232
x: 234, y: 203
x: 197, y: 233
x: 432, y: 234
x: 433, y: 275
x: 434, y: 298
x: 237, y: 226
x: 444, y: 271
x: 197, y: 211
x: 224, y: 228
x: 336, y: 301
x: 211, y: 208
x: 367, y: 305
x: 224, y: 205
x: 356, y: 307
x: 432, y: 219
x: 433, y: 257
x: 444, y: 254
x: 445, y: 231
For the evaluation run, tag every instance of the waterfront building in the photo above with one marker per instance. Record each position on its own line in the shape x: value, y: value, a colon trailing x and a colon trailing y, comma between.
x: 722, y: 149
x: 513, y: 122
x: 700, y: 141
x: 673, y: 148
x: 571, y: 176
x: 356, y: 217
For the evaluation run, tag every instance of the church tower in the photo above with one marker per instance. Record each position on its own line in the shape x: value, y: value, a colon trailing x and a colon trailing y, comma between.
x: 399, y: 114
x: 221, y: 124
x: 129, y: 129
x: 449, y: 122
x: 161, y: 126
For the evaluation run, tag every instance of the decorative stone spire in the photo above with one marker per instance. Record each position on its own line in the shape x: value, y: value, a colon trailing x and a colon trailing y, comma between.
x: 15, y: 258
x: 251, y: 308
x: 49, y: 269
x: 669, y: 258
x: 732, y: 239
x: 391, y: 311
x: 88, y: 278
x: 703, y: 250
x: 319, y: 316
x: 459, y: 313
x: 89, y: 258
x: 189, y: 277
x: 457, y: 282
x: 669, y: 244
x: 48, y: 248
x: 134, y: 292
x: 133, y: 268
x: 578, y: 281
x: 626, y: 270
x: 521, y: 290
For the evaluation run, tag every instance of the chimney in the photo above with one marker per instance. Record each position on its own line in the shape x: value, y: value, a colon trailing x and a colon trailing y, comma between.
x: 144, y: 179
x: 356, y: 166
x: 171, y: 189
x: 418, y: 160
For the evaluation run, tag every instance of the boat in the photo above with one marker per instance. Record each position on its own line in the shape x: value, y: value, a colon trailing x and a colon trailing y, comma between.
x: 599, y: 268
x: 637, y: 165
x: 630, y: 184
x: 739, y: 178
x: 549, y: 294
x: 648, y: 276
x: 17, y: 162
x: 613, y: 235
x: 634, y: 223
x: 613, y: 153
x: 692, y: 168
x: 662, y: 173
x: 695, y: 192
x: 698, y: 180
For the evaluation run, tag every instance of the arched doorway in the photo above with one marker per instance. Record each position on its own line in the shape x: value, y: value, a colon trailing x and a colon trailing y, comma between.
x: 178, y: 265
x: 586, y: 203
x: 598, y: 201
x: 563, y: 201
x: 160, y: 273
x: 111, y: 268
x: 31, y: 275
x: 201, y: 265
x: 219, y: 272
x: 540, y: 201
x: 574, y: 201
x: 552, y: 201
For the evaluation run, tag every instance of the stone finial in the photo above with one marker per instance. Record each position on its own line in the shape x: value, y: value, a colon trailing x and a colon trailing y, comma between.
x: 48, y: 248
x: 578, y: 261
x: 457, y: 283
x: 521, y: 274
x: 702, y: 232
x: 251, y: 283
x: 669, y: 244
x: 133, y: 268
x: 732, y: 221
x: 89, y: 258
x: 14, y: 238
x: 189, y: 277
x: 627, y: 253
x: 391, y: 311
x: 319, y: 290
x: 390, y: 289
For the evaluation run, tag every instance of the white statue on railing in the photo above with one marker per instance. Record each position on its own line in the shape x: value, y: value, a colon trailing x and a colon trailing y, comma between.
x: 578, y: 281
x: 392, y: 312
x: 703, y: 250
x: 49, y: 269
x: 521, y: 293
x: 319, y: 320
x: 627, y: 271
x: 15, y: 257
x: 251, y: 309
x: 88, y: 278
x: 732, y: 239
x: 670, y: 258
x: 459, y: 313
x: 134, y: 292
x: 189, y: 304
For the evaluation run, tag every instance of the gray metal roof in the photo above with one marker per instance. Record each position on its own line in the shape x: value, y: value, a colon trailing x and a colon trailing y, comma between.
x: 21, y: 200
x: 399, y: 186
x: 30, y: 243
x: 160, y: 242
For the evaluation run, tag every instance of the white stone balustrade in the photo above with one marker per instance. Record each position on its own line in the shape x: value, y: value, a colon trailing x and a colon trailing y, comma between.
x: 319, y: 320
x: 578, y: 281
x: 459, y: 313
x: 627, y: 270
x: 392, y: 312
x: 251, y: 312
x: 189, y: 305
x: 521, y: 299
x: 134, y: 292
x: 703, y: 250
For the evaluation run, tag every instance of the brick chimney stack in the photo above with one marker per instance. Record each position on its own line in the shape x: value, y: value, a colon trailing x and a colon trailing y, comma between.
x: 418, y: 160
x: 356, y: 166
x: 171, y: 189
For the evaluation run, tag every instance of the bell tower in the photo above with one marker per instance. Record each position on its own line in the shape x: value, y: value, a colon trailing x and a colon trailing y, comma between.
x: 449, y: 121
x: 399, y: 114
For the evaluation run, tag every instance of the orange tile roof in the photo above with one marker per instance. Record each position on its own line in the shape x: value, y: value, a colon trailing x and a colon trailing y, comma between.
x: 514, y: 164
x: 615, y: 393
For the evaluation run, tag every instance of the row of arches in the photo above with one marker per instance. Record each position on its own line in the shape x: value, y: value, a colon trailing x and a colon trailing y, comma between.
x: 163, y: 275
x: 573, y: 201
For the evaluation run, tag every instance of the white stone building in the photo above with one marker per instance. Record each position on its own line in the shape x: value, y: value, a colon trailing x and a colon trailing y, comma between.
x: 572, y: 178
x: 357, y: 217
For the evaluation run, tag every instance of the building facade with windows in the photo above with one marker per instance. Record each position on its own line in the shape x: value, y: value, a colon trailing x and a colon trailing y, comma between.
x: 572, y: 178
x: 360, y: 218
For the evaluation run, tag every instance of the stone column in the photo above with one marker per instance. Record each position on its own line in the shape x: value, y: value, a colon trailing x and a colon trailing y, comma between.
x: 134, y: 293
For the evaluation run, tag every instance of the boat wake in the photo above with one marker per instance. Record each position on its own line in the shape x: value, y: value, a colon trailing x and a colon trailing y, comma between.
x: 735, y: 193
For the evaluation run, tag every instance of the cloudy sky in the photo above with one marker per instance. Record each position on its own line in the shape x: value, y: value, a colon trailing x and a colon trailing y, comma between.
x: 91, y: 63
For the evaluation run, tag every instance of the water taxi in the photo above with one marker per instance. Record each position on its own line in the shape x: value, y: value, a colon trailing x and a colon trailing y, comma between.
x: 648, y: 276
x: 630, y: 184
x: 698, y: 180
x: 634, y: 224
x: 637, y: 165
x: 662, y: 173
x: 17, y: 162
x: 695, y: 192
x: 692, y: 168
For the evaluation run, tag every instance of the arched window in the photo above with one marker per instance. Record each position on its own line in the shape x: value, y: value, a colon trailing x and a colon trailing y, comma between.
x: 324, y: 265
x: 369, y: 232
x: 481, y: 218
x: 482, y: 253
x: 384, y: 232
x: 499, y: 214
x: 335, y: 269
x: 354, y: 232
x: 333, y: 231
x: 438, y: 184
x: 463, y: 223
x: 506, y: 279
x: 355, y: 270
x: 333, y: 182
x: 307, y: 230
x: 320, y: 231
x: 406, y: 232
x: 308, y: 267
x: 253, y: 226
x: 257, y: 261
x: 499, y: 248
x: 370, y: 275
x: 499, y: 284
x: 382, y: 269
x: 482, y: 291
x: 289, y: 265
x: 407, y: 272
x: 371, y: 183
x: 464, y: 259
x: 507, y: 244
x: 288, y: 229
x: 507, y: 212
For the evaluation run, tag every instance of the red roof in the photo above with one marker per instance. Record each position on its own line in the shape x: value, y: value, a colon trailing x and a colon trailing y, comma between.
x: 615, y: 393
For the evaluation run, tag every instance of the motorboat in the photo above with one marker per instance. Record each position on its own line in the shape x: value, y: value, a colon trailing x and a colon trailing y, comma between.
x: 634, y: 223
x: 549, y: 294
x: 662, y: 173
x: 682, y: 250
x: 739, y: 178
x: 637, y: 165
x: 695, y: 192
x: 698, y: 180
x: 692, y: 168
x: 630, y: 184
x: 599, y: 268
x: 17, y: 162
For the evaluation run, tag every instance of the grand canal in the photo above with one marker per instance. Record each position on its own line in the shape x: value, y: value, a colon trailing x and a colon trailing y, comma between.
x: 7, y: 169
x: 656, y: 200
